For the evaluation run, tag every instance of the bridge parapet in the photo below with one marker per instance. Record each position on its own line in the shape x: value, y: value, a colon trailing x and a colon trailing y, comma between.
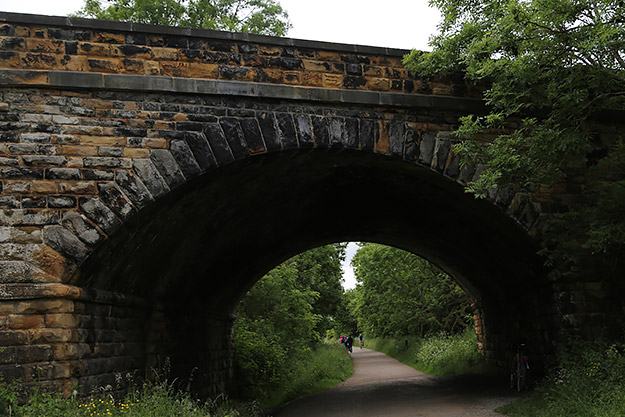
x: 38, y: 43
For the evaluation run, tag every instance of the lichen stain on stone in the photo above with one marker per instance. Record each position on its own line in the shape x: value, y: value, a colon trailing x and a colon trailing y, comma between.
x: 382, y: 143
x: 56, y: 266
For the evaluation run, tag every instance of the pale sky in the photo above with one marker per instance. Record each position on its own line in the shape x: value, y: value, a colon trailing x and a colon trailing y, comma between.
x: 403, y: 24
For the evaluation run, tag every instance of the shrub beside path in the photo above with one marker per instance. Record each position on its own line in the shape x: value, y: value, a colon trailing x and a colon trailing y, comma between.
x: 384, y: 387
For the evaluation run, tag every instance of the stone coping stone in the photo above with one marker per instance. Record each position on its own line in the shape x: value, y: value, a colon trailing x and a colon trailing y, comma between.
x: 155, y: 83
x: 109, y: 25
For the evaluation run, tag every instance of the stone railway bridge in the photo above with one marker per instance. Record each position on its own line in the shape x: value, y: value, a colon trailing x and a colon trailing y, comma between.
x: 150, y: 175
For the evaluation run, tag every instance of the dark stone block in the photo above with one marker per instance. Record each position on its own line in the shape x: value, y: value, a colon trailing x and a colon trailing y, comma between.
x: 396, y: 85
x: 79, y: 226
x: 150, y: 176
x: 234, y: 136
x: 320, y: 131
x: 65, y: 242
x: 352, y: 133
x: 396, y: 138
x: 220, y: 46
x: 204, y: 118
x: 136, y: 39
x: 190, y: 126
x: 9, y: 202
x: 408, y: 86
x: 217, y: 141
x: 355, y: 59
x: 33, y: 202
x: 176, y: 42
x: 269, y: 128
x: 252, y: 134
x: 164, y: 161
x: 426, y: 148
x: 411, y: 148
x: 15, y: 172
x: 216, y: 57
x: 133, y: 188
x: 99, y: 213
x: 97, y: 175
x: 247, y: 48
x: 131, y: 50
x: 233, y: 73
x: 134, y: 132
x: 353, y: 81
x: 185, y: 159
x: 7, y: 30
x: 192, y: 53
x: 287, y: 130
x: 304, y: 131
x: 441, y: 152
x: 286, y: 63
x: 201, y: 151
x: 368, y: 134
x: 40, y: 160
x: 61, y: 201
x: 115, y: 200
x: 354, y: 69
x: 336, y: 129
x: 241, y: 113
x: 34, y: 353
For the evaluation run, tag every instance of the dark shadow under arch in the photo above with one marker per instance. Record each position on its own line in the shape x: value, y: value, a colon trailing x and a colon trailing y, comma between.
x: 216, y: 235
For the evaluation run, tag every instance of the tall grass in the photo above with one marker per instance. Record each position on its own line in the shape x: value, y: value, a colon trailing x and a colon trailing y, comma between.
x: 589, y: 381
x: 438, y: 355
x: 151, y: 399
x: 317, y: 369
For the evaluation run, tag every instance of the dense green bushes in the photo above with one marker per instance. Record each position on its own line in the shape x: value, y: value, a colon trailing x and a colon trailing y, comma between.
x: 437, y: 355
x: 590, y: 381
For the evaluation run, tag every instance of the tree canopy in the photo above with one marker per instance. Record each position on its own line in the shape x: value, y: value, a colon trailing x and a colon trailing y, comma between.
x: 401, y: 294
x: 264, y: 17
x: 550, y: 66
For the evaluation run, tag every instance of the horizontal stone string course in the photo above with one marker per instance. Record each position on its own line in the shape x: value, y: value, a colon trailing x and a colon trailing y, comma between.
x: 125, y: 49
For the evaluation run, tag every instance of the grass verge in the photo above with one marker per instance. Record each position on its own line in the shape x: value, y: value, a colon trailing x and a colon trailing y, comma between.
x: 439, y: 355
x: 589, y: 381
x: 318, y: 369
x: 152, y: 399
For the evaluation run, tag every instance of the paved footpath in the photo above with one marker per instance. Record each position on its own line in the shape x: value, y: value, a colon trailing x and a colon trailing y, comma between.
x: 384, y: 387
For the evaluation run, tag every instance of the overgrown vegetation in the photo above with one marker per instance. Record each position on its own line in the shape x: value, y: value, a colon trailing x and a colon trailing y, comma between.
x: 151, y: 399
x: 589, y: 381
x: 400, y: 294
x: 279, y: 351
x: 438, y: 355
x: 551, y: 67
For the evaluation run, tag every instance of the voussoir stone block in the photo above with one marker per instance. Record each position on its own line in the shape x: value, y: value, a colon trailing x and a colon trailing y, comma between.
x: 65, y: 242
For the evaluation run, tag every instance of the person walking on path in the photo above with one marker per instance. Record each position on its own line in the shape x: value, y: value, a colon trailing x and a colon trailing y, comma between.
x: 348, y: 343
x: 362, y: 340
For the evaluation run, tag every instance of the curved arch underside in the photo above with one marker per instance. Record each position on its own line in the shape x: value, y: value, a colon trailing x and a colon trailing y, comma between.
x: 207, y: 242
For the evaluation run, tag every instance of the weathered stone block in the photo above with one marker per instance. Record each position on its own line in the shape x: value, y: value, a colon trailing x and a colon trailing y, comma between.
x: 20, y: 322
x: 167, y: 166
x: 150, y: 177
x: 99, y: 213
x: 65, y: 242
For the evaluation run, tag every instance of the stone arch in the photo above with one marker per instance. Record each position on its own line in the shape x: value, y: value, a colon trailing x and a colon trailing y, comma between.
x: 189, y: 229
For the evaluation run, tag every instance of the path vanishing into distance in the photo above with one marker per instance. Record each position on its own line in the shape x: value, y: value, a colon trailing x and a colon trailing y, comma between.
x: 384, y: 387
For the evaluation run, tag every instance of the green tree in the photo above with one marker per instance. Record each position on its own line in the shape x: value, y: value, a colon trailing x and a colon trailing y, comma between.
x: 401, y: 294
x: 550, y: 67
x: 264, y: 17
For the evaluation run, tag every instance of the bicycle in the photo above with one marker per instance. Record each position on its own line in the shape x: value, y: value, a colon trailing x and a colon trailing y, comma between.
x: 520, y: 369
